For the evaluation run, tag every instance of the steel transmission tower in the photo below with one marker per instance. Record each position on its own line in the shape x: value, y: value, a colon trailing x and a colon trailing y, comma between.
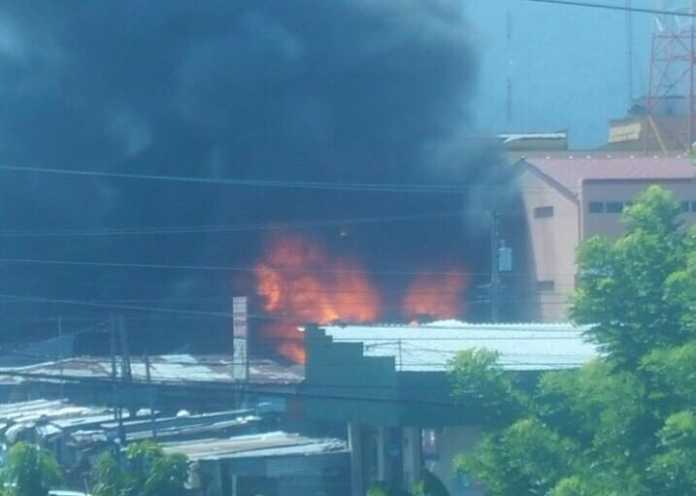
x: 672, y: 63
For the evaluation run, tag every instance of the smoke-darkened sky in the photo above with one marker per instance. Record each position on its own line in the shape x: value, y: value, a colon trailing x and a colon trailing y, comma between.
x: 372, y: 91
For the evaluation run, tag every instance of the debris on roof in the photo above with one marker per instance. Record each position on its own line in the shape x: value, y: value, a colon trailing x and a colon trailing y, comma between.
x: 271, y: 444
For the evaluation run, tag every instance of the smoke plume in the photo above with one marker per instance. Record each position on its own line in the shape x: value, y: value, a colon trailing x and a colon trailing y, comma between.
x: 348, y: 91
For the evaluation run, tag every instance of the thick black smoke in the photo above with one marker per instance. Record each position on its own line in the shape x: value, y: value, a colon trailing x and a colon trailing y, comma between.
x: 351, y: 91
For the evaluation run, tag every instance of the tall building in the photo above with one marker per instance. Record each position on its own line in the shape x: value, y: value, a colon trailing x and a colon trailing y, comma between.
x: 568, y: 199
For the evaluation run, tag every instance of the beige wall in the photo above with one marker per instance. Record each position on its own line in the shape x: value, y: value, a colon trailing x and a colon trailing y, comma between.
x: 608, y: 224
x: 553, y: 241
x: 552, y: 244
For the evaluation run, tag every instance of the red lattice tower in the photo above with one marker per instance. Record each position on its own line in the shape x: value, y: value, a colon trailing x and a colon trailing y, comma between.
x: 672, y: 62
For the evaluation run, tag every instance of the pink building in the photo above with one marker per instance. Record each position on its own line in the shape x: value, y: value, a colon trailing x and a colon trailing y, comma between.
x: 569, y: 198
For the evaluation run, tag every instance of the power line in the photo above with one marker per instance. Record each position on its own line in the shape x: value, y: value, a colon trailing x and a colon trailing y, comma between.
x: 288, y: 319
x: 302, y: 391
x: 593, y: 5
x: 137, y: 308
x: 230, y: 387
x: 231, y: 268
x: 207, y: 229
x: 259, y: 183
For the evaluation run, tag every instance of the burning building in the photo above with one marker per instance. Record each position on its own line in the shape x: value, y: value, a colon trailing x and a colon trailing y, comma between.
x: 357, y: 192
x: 300, y: 282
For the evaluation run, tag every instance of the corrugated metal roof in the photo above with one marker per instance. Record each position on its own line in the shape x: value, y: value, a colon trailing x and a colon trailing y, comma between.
x: 572, y: 170
x: 59, y: 411
x: 92, y: 424
x: 430, y: 347
x: 270, y: 444
x: 167, y: 369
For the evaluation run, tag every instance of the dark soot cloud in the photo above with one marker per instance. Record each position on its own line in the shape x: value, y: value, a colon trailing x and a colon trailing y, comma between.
x: 340, y: 90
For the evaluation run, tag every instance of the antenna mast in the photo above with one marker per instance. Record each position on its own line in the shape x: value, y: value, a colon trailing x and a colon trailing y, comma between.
x: 672, y: 64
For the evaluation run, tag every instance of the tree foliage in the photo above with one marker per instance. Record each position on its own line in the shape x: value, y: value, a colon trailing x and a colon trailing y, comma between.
x: 625, y: 424
x: 148, y: 471
x: 478, y: 379
x: 30, y: 471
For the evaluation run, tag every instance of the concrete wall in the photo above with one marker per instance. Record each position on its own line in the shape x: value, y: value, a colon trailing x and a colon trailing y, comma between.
x: 552, y: 243
x: 553, y: 240
x: 609, y: 224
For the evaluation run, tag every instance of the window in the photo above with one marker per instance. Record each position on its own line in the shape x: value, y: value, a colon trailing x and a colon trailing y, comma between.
x: 684, y: 206
x: 693, y: 206
x: 546, y: 285
x: 596, y: 207
x: 615, y: 207
x: 543, y: 212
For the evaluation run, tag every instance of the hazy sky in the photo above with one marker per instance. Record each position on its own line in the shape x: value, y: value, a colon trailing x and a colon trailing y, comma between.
x: 567, y: 66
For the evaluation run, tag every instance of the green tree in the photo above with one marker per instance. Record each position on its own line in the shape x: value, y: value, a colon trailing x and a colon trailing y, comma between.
x: 148, y: 471
x: 109, y: 479
x: 525, y: 458
x: 674, y: 467
x: 30, y: 471
x: 623, y: 425
x: 477, y: 379
x: 626, y: 287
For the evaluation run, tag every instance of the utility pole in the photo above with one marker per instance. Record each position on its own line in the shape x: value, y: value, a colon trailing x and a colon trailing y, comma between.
x: 60, y: 356
x: 126, y: 372
x: 148, y: 377
x: 116, y: 397
x: 495, y: 275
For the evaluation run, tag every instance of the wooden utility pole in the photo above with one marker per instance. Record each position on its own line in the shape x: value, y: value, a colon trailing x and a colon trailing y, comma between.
x: 115, y: 389
x: 148, y: 376
x: 61, y: 357
x: 126, y: 371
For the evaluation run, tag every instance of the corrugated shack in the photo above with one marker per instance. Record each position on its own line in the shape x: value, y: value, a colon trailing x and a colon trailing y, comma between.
x: 272, y: 464
x: 78, y: 434
x: 171, y: 381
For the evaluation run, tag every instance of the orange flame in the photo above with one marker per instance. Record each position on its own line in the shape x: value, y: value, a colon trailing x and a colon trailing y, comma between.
x: 434, y: 295
x: 300, y: 283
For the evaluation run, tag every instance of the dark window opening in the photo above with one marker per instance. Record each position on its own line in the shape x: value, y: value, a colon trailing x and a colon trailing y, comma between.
x: 596, y: 207
x: 546, y: 285
x: 543, y: 212
x: 684, y: 206
x: 615, y: 207
x: 693, y: 206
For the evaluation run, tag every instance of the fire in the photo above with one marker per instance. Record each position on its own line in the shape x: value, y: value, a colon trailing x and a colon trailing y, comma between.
x: 436, y: 295
x: 299, y: 283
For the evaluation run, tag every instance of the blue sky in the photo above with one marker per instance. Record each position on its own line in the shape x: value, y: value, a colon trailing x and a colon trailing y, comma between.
x: 568, y: 66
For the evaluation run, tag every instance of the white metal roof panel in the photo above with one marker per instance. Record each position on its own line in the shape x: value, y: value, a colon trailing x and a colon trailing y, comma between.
x: 431, y: 347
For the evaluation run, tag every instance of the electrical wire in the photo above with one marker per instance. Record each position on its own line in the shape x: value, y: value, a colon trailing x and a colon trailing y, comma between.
x: 230, y: 387
x: 208, y: 229
x: 137, y: 308
x: 231, y: 268
x: 258, y: 183
x: 623, y: 8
